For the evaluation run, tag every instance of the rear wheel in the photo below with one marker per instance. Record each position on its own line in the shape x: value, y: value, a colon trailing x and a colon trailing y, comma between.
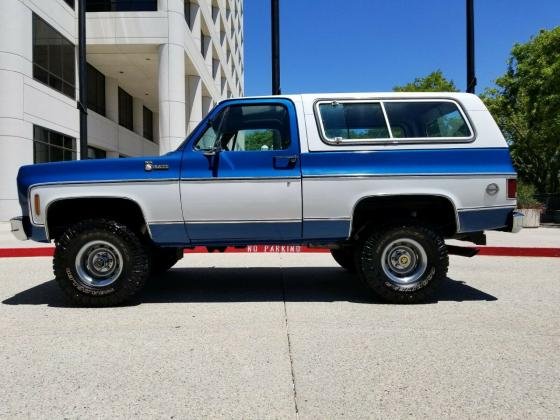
x: 345, y: 258
x: 402, y: 264
x: 100, y: 263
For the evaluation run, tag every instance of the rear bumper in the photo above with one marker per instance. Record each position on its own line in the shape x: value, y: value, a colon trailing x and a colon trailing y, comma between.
x: 17, y: 228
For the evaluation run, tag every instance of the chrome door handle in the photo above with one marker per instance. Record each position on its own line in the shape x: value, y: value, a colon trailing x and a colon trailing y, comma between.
x: 291, y: 159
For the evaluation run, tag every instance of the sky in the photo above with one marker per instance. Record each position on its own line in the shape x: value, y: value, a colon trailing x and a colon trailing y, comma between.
x: 374, y: 45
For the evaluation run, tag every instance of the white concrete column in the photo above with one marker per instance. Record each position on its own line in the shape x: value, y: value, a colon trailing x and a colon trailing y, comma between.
x: 137, y: 116
x: 16, y: 134
x: 171, y: 81
x: 171, y: 92
x: 112, y: 99
x: 194, y: 88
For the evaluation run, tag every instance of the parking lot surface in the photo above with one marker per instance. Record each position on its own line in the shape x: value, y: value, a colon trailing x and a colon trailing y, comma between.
x: 282, y: 336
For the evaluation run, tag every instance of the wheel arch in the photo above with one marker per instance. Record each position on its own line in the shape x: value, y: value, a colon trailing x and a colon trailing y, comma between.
x: 384, y: 204
x: 77, y: 208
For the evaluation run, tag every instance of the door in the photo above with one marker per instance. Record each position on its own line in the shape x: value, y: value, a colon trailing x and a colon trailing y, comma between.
x: 241, y: 176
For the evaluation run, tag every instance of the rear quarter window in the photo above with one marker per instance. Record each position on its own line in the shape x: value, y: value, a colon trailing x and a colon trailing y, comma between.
x: 391, y: 121
x: 427, y: 120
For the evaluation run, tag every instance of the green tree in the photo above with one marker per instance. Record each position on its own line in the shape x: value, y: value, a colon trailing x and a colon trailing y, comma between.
x: 433, y: 82
x: 526, y: 106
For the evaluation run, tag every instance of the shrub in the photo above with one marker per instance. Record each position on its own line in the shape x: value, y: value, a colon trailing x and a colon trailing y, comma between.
x: 526, y: 197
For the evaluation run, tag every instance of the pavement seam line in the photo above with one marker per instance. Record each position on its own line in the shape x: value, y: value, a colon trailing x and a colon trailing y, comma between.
x: 284, y: 292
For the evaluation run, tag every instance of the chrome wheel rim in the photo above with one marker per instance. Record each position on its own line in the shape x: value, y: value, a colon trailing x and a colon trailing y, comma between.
x: 98, y: 264
x: 404, y: 261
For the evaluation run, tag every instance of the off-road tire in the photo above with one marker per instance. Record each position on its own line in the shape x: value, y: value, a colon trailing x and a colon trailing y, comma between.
x: 369, y: 255
x: 164, y: 258
x: 135, y: 263
x: 345, y: 258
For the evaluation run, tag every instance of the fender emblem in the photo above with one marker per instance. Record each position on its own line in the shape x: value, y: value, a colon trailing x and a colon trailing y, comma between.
x: 149, y: 166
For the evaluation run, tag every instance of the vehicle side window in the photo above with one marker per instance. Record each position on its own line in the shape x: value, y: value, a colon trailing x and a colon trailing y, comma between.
x: 426, y: 119
x: 248, y: 128
x: 353, y: 121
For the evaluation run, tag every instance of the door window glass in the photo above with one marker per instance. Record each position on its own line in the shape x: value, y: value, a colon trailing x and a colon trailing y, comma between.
x: 248, y: 128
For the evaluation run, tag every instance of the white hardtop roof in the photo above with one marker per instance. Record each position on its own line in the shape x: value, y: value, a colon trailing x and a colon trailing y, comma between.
x: 468, y: 100
x: 362, y: 95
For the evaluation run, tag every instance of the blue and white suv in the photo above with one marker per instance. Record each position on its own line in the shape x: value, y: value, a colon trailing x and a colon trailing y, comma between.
x: 379, y: 178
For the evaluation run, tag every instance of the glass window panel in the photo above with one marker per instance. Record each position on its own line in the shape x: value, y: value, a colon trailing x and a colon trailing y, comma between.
x: 208, y: 139
x: 95, y: 153
x: 96, y: 90
x: 353, y: 121
x: 398, y: 131
x: 51, y: 146
x: 248, y: 128
x: 40, y: 74
x: 68, y: 64
x: 40, y: 152
x: 257, y: 140
x: 55, y: 82
x: 148, y: 123
x: 56, y: 154
x: 425, y: 119
x: 69, y: 142
x: 40, y: 134
x: 56, y: 139
x: 41, y: 55
x: 68, y: 90
x: 53, y: 58
x: 125, y: 109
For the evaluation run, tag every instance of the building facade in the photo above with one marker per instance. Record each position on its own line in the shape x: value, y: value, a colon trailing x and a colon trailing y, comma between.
x: 155, y: 69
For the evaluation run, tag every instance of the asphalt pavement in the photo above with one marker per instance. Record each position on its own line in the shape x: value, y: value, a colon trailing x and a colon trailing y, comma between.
x: 284, y: 336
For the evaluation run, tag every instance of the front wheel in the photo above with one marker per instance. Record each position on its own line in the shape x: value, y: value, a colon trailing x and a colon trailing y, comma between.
x: 402, y: 264
x: 100, y: 263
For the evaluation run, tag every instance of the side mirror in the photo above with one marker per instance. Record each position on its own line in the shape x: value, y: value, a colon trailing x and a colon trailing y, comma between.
x: 213, y: 156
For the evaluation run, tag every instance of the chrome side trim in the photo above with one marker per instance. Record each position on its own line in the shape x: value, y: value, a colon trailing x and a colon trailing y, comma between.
x: 220, y: 222
x: 233, y: 179
x: 415, y: 175
x: 110, y: 181
x: 467, y: 209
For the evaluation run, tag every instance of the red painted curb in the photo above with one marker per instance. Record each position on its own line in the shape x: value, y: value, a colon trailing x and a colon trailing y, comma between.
x: 503, y: 251
x: 26, y: 252
x: 497, y: 251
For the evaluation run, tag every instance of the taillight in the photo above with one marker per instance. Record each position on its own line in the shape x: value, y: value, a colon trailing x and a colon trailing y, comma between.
x: 512, y: 188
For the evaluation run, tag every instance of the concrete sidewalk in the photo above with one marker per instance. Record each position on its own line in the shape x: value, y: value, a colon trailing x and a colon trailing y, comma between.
x: 543, y: 237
